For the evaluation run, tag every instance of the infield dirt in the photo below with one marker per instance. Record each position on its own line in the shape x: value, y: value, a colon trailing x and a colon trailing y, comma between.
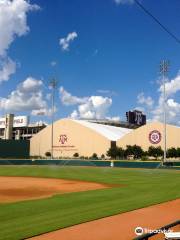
x: 13, y: 189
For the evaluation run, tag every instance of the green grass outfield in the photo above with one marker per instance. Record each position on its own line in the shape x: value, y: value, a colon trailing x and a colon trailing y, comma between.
x: 142, y: 187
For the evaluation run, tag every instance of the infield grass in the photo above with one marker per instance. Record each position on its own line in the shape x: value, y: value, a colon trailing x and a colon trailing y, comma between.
x: 141, y: 188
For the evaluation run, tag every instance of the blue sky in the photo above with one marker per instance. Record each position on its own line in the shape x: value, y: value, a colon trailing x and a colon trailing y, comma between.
x: 109, y: 67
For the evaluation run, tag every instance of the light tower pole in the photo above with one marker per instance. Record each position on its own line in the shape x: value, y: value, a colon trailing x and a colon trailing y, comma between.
x: 53, y: 85
x: 164, y: 66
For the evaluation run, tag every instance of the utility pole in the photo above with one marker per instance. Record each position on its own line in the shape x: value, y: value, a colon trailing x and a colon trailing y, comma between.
x: 53, y: 84
x: 164, y: 67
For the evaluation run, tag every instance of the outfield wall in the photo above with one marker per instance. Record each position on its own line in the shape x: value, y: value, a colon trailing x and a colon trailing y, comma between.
x: 92, y: 163
x: 14, y: 149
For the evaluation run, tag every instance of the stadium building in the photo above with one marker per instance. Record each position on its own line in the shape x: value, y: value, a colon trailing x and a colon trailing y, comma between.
x: 151, y: 134
x: 18, y: 127
x: 76, y: 136
x: 87, y: 137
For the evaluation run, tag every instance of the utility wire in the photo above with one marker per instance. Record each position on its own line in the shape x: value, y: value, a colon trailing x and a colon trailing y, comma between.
x: 157, y: 21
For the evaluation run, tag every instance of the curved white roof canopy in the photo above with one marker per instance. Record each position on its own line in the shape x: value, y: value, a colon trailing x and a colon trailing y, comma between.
x: 110, y: 132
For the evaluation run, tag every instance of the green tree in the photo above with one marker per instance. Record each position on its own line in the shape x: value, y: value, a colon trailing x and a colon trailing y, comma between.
x: 134, y: 150
x: 112, y: 152
x: 155, y: 151
x: 120, y: 153
x: 172, y: 152
x: 178, y: 152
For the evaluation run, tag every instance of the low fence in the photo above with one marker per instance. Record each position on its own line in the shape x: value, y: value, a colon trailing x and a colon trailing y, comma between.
x: 89, y: 163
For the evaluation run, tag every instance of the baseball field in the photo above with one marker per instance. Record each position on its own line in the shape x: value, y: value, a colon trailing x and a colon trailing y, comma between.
x: 40, y: 199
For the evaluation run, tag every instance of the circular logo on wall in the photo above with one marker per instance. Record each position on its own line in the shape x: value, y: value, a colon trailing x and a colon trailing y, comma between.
x: 155, y: 137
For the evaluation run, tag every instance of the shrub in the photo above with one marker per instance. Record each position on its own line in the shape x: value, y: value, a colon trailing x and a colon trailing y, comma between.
x: 76, y: 155
x: 94, y: 156
x: 48, y: 154
x: 102, y: 156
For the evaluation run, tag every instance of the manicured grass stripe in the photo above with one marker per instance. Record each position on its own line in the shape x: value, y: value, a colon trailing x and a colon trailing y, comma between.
x: 140, y: 188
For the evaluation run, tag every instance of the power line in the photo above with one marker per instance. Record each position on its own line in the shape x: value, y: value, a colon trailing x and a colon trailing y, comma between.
x: 157, y: 21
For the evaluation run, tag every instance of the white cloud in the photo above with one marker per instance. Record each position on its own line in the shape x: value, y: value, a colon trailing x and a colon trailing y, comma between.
x: 43, y: 112
x: 88, y: 107
x: 7, y: 68
x: 40, y: 112
x: 172, y: 106
x: 53, y: 63
x: 148, y: 101
x: 171, y: 86
x: 114, y: 119
x: 28, y: 96
x: 141, y: 109
x: 95, y: 52
x: 124, y: 1
x: 74, y: 114
x: 172, y: 103
x: 68, y: 99
x: 30, y: 85
x: 65, y: 42
x: 48, y: 96
x: 172, y: 112
x: 107, y: 92
x: 95, y: 107
x: 102, y: 91
x: 13, y: 23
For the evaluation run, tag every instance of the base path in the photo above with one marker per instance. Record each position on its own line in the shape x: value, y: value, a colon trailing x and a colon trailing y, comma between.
x: 14, y: 189
x: 120, y: 226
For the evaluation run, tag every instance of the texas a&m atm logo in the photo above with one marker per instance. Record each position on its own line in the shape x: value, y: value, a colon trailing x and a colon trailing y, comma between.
x: 63, y: 138
x: 154, y: 137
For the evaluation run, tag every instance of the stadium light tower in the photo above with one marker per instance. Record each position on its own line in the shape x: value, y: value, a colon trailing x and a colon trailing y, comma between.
x: 164, y: 67
x: 53, y: 85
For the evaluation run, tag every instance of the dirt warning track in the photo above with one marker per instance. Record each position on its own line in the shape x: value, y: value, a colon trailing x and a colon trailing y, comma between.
x: 120, y: 226
x: 14, y: 189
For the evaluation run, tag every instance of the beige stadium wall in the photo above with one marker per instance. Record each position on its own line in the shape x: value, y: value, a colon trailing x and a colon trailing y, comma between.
x: 80, y: 139
x: 140, y: 136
